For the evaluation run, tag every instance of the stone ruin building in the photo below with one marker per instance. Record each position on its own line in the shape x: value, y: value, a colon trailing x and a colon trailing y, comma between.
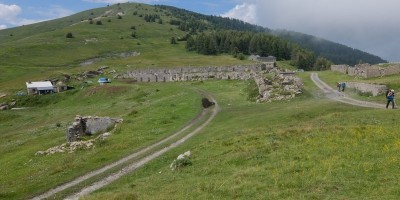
x: 242, y: 72
x: 367, y: 70
x: 89, y: 126
x: 290, y: 85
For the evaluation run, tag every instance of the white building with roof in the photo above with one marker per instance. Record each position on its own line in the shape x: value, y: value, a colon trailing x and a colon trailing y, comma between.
x: 41, y: 87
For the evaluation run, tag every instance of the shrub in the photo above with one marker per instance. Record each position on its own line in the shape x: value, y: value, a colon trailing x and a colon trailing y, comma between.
x: 206, y: 103
x: 119, y: 17
x: 173, y: 40
x: 241, y: 56
x: 99, y: 23
x: 69, y: 35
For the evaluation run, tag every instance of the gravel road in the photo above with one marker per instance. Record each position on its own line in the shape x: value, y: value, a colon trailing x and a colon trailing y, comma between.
x: 147, y: 153
x: 340, y: 96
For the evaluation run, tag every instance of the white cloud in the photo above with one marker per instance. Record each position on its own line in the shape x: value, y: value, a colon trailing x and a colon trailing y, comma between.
x: 3, y: 27
x: 10, y: 15
x: 369, y: 25
x: 9, y: 12
x: 245, y: 12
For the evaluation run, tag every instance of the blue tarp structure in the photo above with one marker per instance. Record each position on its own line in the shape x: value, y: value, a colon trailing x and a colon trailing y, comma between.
x: 104, y: 80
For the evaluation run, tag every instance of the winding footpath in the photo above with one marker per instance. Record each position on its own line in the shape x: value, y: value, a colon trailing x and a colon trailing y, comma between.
x: 339, y: 96
x: 148, y: 153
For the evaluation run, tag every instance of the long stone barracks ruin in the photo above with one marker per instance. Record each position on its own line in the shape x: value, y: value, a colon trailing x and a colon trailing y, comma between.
x: 367, y: 70
x: 280, y: 84
x: 89, y: 125
x: 243, y: 72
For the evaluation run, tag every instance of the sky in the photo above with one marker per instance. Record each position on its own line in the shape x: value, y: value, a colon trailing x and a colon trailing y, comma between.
x: 372, y: 26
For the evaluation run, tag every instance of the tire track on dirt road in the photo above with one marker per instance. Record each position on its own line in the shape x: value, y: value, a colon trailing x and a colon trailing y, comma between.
x: 146, y: 152
x: 339, y: 96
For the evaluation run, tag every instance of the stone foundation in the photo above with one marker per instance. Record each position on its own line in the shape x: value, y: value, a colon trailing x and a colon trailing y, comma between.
x: 374, y: 89
x: 88, y: 126
x: 366, y: 70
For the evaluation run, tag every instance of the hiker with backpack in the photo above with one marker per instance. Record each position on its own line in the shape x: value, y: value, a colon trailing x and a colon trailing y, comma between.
x: 343, y: 86
x: 390, y: 98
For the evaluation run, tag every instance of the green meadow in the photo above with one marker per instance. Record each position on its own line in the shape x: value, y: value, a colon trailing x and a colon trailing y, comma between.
x: 307, y: 148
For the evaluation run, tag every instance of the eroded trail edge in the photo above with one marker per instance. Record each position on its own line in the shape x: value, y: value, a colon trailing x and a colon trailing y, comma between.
x: 148, y: 151
x: 339, y: 96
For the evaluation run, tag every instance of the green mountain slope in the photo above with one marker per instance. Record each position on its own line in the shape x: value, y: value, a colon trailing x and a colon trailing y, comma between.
x: 306, y: 148
x: 103, y: 32
x: 335, y: 52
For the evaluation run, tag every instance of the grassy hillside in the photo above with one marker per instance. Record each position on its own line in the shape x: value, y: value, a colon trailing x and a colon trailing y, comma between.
x: 46, y: 45
x: 150, y: 112
x: 306, y: 148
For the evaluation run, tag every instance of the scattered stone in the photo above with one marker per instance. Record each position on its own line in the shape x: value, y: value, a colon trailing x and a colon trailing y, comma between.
x: 280, y: 86
x: 68, y: 147
x: 181, y: 161
x: 4, y: 106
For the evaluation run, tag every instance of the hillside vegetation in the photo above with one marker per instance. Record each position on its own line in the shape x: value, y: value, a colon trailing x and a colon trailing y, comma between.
x: 305, y: 148
x: 337, y: 53
x: 104, y: 33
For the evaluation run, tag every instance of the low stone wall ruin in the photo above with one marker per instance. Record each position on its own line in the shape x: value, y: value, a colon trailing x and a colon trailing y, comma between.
x: 285, y: 85
x: 374, y: 89
x: 88, y: 126
x: 241, y: 72
x: 366, y: 70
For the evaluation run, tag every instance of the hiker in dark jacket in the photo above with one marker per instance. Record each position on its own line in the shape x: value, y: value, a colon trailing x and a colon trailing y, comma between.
x: 390, y: 98
x: 343, y: 86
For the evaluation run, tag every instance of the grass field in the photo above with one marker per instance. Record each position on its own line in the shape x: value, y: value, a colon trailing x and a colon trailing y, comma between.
x: 309, y: 148
x: 306, y: 148
x: 150, y: 112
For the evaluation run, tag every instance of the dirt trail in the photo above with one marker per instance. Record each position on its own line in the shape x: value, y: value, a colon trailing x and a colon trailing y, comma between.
x: 145, y: 152
x: 340, y: 96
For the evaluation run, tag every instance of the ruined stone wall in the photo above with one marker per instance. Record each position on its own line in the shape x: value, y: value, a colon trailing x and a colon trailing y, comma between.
x: 89, y: 125
x: 357, y: 72
x: 288, y: 84
x: 394, y: 69
x: 374, y: 89
x: 242, y: 72
x: 366, y: 70
x: 340, y: 68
